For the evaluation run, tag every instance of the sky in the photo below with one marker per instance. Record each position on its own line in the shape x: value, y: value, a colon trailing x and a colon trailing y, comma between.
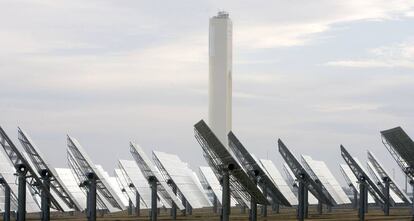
x: 315, y: 74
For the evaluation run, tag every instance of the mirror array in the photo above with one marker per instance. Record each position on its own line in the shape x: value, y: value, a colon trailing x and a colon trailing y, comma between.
x: 233, y: 178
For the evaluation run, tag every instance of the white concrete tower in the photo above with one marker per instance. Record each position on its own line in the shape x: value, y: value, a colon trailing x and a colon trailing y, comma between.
x: 220, y: 79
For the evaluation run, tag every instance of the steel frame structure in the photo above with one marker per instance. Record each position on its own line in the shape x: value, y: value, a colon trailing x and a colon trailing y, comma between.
x: 359, y: 172
x: 25, y: 174
x: 294, y: 185
x: 290, y: 178
x: 384, y: 185
x: 395, y: 138
x: 256, y: 173
x: 366, y: 185
x: 167, y: 178
x: 139, y: 199
x: 212, y: 187
x: 126, y: 183
x: 351, y: 185
x: 313, y: 175
x: 227, y: 169
x: 156, y: 181
x: 177, y: 173
x: 125, y: 189
x: 305, y: 182
x: 86, y: 167
x: 170, y: 181
x: 274, y: 174
x: 7, y: 199
x: 38, y: 160
x: 148, y: 169
x: 83, y: 180
x: 384, y: 176
x: 132, y: 186
x: 401, y: 148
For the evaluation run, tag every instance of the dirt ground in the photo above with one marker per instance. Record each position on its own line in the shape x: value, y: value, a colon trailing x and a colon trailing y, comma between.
x: 337, y: 214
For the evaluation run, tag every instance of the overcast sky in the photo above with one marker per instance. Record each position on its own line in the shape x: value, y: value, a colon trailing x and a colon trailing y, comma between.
x: 316, y: 74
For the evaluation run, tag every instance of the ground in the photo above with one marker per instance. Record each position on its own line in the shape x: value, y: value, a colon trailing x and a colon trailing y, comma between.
x: 337, y: 214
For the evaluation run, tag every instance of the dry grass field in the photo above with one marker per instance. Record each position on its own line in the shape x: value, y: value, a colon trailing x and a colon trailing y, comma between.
x: 337, y: 214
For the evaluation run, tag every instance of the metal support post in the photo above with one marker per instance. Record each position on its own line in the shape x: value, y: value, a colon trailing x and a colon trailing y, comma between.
x: 174, y: 207
x: 320, y: 206
x: 82, y: 185
x: 226, y: 196
x: 366, y: 198
x: 362, y: 198
x: 253, y: 209
x: 153, y: 183
x: 137, y: 204
x: 264, y: 207
x: 184, y: 212
x: 215, y: 202
x: 130, y: 207
x: 275, y: 208
x: 412, y: 186
x: 243, y: 209
x: 253, y: 206
x: 189, y: 208
x: 6, y: 214
x: 45, y: 200
x: 406, y: 181
x: 21, y: 196
x: 355, y: 202
x: 387, y: 196
x: 92, y: 196
x: 306, y: 202
x: 301, y: 199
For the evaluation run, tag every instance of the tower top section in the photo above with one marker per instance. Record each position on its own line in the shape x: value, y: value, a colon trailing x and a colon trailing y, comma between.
x: 222, y: 14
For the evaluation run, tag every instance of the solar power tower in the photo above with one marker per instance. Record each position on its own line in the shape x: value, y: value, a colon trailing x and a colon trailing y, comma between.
x: 257, y: 175
x: 49, y: 176
x: 234, y: 179
x: 401, y: 148
x: 137, y: 183
x: 294, y: 185
x: 176, y: 173
x: 95, y: 180
x: 305, y: 183
x: 365, y: 184
x: 388, y: 184
x: 25, y: 174
x: 320, y: 172
x: 157, y: 183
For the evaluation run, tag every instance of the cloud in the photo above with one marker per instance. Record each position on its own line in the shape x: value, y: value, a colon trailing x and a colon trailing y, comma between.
x: 343, y: 107
x: 111, y: 71
x: 273, y: 35
x: 166, y: 64
x: 296, y: 24
x: 395, y: 56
